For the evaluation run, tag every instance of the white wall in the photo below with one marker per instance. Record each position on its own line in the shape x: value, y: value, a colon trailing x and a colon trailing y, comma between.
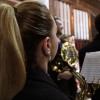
x: 46, y: 2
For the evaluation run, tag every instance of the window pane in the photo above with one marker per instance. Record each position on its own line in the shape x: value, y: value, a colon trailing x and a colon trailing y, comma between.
x: 81, y: 24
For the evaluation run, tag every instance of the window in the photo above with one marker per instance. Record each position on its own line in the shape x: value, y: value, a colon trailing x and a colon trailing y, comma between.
x: 75, y: 22
x: 61, y: 10
x: 46, y: 2
x: 81, y: 24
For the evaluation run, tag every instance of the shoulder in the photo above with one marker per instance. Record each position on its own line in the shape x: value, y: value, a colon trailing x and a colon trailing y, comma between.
x: 40, y: 91
x: 40, y: 88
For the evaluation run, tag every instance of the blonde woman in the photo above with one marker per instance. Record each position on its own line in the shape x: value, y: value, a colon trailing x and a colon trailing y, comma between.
x: 12, y: 69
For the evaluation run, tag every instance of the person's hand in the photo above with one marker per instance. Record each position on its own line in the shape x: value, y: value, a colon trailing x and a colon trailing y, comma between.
x: 66, y: 75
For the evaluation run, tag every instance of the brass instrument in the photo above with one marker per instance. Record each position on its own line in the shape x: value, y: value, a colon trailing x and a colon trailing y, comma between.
x: 67, y: 59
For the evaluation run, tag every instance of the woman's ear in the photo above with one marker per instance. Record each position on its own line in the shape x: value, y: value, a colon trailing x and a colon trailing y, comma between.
x: 46, y: 46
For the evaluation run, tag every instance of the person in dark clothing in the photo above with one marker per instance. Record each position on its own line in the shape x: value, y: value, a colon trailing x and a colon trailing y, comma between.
x: 65, y: 80
x: 92, y: 47
x: 38, y: 31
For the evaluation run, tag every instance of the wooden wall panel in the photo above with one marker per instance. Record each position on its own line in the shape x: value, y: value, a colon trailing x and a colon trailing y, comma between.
x: 81, y: 43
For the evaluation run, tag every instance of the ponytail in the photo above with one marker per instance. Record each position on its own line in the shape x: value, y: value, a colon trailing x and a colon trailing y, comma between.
x: 12, y: 68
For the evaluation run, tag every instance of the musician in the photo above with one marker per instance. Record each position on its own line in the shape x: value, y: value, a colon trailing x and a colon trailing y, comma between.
x: 92, y: 47
x: 64, y: 80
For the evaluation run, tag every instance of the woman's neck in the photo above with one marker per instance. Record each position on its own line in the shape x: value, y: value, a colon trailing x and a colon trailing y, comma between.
x: 42, y: 63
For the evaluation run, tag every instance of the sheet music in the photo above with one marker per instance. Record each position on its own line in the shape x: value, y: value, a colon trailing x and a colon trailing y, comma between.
x: 91, y: 67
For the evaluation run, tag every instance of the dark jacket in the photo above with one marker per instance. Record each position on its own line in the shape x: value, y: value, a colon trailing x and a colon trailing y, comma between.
x: 39, y: 86
x: 92, y: 47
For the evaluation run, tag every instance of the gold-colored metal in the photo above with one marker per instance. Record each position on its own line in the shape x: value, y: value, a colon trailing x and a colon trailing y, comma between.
x: 66, y: 61
x: 70, y: 55
x: 95, y: 86
x: 67, y: 58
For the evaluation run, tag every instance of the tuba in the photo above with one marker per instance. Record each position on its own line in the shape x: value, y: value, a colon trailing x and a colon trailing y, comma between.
x: 66, y: 60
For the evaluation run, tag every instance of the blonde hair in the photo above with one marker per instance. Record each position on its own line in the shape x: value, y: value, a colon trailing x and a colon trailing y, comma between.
x: 12, y: 68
